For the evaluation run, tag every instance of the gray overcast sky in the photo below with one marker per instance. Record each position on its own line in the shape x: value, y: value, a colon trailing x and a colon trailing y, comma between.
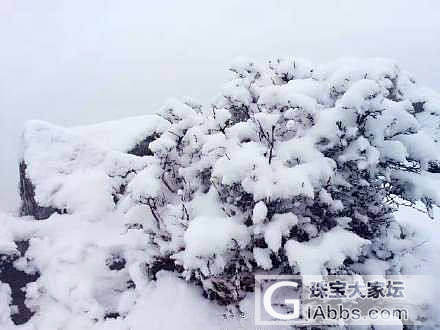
x: 81, y: 61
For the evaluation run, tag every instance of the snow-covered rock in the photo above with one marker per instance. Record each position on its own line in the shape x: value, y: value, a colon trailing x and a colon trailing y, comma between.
x: 65, y: 170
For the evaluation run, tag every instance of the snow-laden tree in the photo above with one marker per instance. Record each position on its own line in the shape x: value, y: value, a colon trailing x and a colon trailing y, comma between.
x: 294, y: 169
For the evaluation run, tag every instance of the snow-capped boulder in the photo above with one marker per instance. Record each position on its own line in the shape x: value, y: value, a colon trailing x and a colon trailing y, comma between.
x: 64, y: 170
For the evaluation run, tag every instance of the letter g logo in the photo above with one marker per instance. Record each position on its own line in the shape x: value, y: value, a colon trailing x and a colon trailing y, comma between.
x: 267, y: 301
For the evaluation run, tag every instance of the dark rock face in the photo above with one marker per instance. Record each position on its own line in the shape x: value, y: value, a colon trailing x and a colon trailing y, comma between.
x: 142, y: 148
x: 27, y: 193
x: 17, y: 280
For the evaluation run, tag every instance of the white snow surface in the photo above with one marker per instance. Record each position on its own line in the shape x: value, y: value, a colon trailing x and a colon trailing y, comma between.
x: 114, y: 134
x: 206, y: 235
x: 78, y: 172
x: 329, y: 250
x: 76, y: 287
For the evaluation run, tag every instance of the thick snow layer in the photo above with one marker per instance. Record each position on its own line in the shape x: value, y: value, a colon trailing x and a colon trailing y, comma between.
x: 77, y: 289
x: 330, y: 250
x: 259, y: 213
x: 71, y: 173
x: 75, y: 286
x: 250, y: 167
x: 122, y: 135
x: 262, y: 258
x: 277, y: 228
x: 207, y: 236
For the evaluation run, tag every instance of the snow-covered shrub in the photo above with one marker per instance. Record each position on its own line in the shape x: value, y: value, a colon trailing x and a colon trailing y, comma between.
x: 295, y: 168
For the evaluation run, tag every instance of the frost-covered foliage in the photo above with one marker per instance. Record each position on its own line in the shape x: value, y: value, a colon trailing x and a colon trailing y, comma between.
x: 294, y: 169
